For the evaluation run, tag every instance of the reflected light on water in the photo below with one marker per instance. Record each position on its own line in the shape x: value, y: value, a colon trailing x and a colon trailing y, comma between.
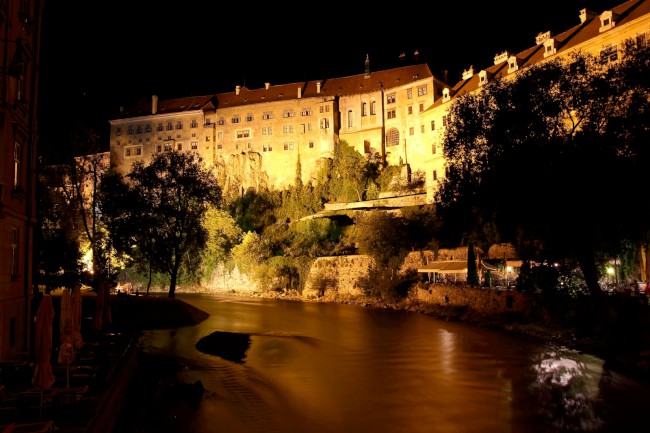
x: 568, y: 388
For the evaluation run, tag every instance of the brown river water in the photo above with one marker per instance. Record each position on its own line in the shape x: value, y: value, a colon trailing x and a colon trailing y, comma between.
x: 267, y: 366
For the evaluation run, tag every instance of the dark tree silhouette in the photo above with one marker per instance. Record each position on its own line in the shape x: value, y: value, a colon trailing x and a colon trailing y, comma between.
x: 160, y: 208
x: 472, y: 269
x: 551, y: 159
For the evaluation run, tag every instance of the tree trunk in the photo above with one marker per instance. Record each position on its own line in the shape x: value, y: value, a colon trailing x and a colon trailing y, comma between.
x: 590, y: 272
x: 172, y: 284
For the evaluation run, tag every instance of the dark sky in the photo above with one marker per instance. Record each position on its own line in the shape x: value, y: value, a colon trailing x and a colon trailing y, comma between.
x: 100, y: 55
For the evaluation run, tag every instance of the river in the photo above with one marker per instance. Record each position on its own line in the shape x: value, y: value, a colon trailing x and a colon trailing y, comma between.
x: 300, y: 367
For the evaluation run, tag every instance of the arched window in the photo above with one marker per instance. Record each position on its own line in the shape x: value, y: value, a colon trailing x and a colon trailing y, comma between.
x: 392, y: 137
x: 364, y: 108
x: 350, y: 119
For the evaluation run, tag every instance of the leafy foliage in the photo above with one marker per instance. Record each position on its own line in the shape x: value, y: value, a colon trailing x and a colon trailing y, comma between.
x: 160, y: 210
x: 540, y: 159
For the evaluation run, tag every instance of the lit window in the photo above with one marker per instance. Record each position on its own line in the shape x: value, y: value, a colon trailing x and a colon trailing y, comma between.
x: 18, y: 148
x: 390, y: 98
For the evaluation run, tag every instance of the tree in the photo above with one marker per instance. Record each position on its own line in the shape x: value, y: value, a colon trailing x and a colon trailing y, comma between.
x: 547, y: 158
x: 472, y: 269
x: 160, y: 209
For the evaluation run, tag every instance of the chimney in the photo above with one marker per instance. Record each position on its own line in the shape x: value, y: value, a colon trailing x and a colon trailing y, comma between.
x: 367, y: 66
x: 318, y: 87
x: 299, y: 92
x: 402, y: 57
x: 416, y: 56
x: 586, y: 14
x: 237, y: 89
x: 154, y: 104
x: 267, y: 85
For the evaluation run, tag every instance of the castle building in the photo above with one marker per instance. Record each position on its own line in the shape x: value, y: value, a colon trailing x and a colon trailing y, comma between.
x: 20, y: 27
x: 257, y: 136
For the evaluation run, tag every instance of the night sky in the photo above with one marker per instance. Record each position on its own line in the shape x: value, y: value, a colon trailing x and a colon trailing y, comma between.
x: 100, y: 55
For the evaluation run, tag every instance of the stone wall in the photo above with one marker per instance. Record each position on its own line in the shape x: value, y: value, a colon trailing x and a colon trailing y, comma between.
x: 486, y: 302
x: 341, y: 276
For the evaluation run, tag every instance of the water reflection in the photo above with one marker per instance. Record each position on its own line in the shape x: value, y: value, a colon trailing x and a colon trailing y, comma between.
x: 321, y: 368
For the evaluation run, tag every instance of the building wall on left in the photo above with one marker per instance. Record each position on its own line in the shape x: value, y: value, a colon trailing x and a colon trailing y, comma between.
x: 20, y: 32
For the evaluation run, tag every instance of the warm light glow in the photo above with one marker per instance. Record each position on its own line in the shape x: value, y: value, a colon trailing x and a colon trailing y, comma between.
x: 610, y: 270
x: 87, y: 260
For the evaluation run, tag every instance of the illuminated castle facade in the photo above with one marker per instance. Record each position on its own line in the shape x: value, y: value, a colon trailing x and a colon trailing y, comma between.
x: 257, y: 136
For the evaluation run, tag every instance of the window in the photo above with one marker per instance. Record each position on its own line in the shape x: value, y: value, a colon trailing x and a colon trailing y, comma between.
x: 409, y: 93
x: 435, y: 175
x: 249, y: 117
x: 130, y: 130
x: 390, y: 98
x: 303, y: 128
x: 221, y: 121
x: 325, y: 109
x: 311, y: 144
x: 168, y: 147
x: 444, y: 121
x: 244, y: 133
x: 410, y: 109
x: 422, y: 90
x: 169, y: 126
x: 159, y: 148
x: 422, y: 129
x: 219, y: 146
x: 130, y: 151
x: 235, y: 119
x: 18, y: 150
x: 118, y: 131
x: 373, y: 107
x: 350, y: 119
x: 609, y: 54
x: 421, y: 107
x: 14, y: 252
x: 306, y: 112
x: 194, y: 124
x: 179, y: 146
x: 434, y: 149
x: 288, y: 113
x: 364, y: 108
x: 147, y: 128
x: 287, y: 129
x: 207, y: 138
x: 390, y: 114
x: 139, y: 129
x: 250, y: 145
x: 392, y: 137
x: 267, y: 115
x: 219, y: 135
x: 411, y: 131
x: 324, y: 123
x: 159, y: 127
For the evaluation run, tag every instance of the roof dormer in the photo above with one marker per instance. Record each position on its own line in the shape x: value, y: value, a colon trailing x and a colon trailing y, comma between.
x: 513, y: 64
x: 468, y: 73
x: 500, y: 58
x: 542, y: 37
x: 483, y: 77
x: 446, y: 94
x: 586, y: 14
x: 549, y: 47
x: 607, y: 21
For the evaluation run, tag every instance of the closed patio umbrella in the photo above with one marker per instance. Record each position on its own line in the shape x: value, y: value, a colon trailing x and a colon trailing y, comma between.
x: 67, y: 349
x: 43, y: 377
x: 77, y: 340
